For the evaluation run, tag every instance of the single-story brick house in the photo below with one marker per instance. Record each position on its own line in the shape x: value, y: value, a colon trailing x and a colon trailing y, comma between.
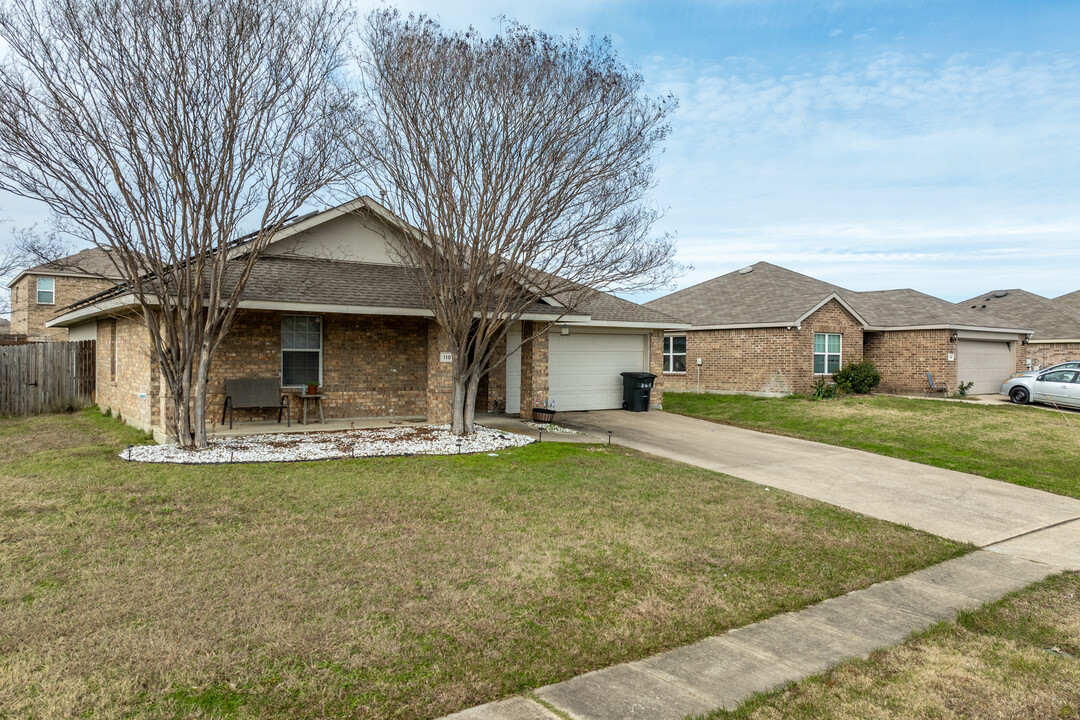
x: 329, y: 301
x: 766, y: 329
x: 1055, y: 324
x: 37, y: 293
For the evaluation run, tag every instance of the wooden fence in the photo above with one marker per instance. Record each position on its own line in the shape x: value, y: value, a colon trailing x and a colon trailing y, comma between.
x: 46, y: 377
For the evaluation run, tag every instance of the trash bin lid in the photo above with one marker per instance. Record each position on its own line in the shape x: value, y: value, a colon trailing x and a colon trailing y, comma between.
x: 639, y: 375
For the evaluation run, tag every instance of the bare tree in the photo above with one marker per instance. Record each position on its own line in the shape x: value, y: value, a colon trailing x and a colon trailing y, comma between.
x: 159, y: 129
x: 521, y: 166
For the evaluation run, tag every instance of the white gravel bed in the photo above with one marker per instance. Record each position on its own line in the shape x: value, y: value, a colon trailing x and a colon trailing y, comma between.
x: 332, y: 444
x: 552, y: 428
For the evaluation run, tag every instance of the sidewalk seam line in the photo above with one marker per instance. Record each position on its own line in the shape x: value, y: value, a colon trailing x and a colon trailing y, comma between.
x: 1031, y: 532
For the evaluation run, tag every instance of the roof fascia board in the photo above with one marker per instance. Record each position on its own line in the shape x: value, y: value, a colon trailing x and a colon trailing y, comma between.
x: 90, y: 311
x: 1053, y: 342
x: 738, y: 326
x: 948, y: 326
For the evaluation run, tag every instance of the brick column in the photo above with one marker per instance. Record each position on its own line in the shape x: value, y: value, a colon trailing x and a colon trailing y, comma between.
x: 656, y: 367
x: 534, y: 369
x: 496, y: 379
x: 439, y: 381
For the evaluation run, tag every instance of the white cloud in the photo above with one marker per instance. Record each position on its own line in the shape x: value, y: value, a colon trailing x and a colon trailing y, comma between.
x: 905, y: 170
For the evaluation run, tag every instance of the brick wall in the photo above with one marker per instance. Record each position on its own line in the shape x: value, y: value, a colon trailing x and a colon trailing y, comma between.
x: 128, y: 386
x: 373, y: 366
x: 439, y: 378
x: 656, y: 367
x: 491, y: 395
x: 29, y: 318
x: 903, y: 357
x: 534, y: 369
x: 1046, y: 354
x: 771, y: 360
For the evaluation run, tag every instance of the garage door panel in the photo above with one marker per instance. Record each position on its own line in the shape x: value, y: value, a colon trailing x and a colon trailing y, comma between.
x: 583, y: 368
x: 984, y: 363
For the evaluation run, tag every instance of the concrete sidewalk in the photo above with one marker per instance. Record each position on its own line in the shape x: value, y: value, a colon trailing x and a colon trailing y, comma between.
x: 1028, y: 535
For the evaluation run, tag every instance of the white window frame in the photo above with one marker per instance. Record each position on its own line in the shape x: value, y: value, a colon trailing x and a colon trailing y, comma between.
x: 284, y: 349
x: 839, y: 354
x: 51, y: 291
x: 669, y: 355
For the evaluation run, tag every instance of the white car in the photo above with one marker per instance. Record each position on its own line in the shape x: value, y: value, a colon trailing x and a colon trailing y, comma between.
x: 1053, y: 386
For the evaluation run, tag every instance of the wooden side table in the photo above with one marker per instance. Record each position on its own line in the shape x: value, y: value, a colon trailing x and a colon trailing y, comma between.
x: 304, y: 406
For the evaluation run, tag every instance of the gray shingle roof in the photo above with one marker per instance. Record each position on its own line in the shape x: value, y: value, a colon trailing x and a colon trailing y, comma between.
x: 334, y: 282
x: 1070, y: 301
x: 94, y: 262
x: 766, y: 294
x: 1047, y: 319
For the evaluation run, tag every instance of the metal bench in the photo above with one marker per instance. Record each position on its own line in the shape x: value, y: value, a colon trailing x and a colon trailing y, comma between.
x: 943, y: 389
x: 255, y: 394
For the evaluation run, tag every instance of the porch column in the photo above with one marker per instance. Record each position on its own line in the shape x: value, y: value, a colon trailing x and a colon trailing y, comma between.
x: 534, y: 369
x: 439, y: 379
x: 656, y: 367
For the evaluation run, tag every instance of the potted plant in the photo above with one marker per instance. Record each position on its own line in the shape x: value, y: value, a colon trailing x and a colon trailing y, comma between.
x: 313, y: 388
x: 544, y: 413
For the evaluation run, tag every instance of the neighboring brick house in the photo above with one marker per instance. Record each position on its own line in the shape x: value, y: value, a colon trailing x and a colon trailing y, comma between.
x: 328, y: 301
x: 765, y: 329
x: 37, y: 294
x: 1055, y: 324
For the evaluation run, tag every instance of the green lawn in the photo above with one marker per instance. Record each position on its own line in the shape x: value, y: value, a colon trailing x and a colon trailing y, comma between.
x: 1023, y: 445
x: 1018, y: 658
x: 389, y: 588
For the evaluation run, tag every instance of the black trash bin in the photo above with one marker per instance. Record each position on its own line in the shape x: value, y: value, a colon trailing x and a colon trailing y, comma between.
x: 637, y: 387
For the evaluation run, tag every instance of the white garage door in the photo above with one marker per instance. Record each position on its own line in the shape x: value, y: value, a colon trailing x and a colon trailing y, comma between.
x: 984, y: 363
x: 583, y: 368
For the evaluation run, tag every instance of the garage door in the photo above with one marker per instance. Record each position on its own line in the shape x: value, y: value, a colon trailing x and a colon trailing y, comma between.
x: 583, y: 368
x: 984, y: 363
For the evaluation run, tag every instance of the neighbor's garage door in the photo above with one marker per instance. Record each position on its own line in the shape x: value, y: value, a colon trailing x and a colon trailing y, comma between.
x: 984, y: 363
x: 583, y: 367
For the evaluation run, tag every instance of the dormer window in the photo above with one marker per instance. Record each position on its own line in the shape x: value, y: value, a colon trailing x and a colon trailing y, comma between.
x: 46, y: 291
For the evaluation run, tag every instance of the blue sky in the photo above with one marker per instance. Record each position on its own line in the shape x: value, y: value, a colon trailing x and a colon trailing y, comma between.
x: 877, y: 144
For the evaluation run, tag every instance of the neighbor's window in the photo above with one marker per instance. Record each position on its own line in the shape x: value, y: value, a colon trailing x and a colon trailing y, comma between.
x: 826, y: 353
x: 675, y: 353
x: 301, y: 350
x: 45, y: 294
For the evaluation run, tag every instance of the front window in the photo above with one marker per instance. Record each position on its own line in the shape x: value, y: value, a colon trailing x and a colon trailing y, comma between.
x: 301, y: 350
x: 675, y: 354
x: 45, y: 291
x: 826, y: 353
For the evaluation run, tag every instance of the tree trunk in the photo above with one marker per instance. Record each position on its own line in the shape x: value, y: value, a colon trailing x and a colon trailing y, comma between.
x: 199, y: 398
x: 457, y: 406
x: 469, y: 419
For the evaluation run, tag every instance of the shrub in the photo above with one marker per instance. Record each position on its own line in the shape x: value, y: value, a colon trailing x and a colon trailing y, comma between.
x: 823, y: 390
x: 858, y: 377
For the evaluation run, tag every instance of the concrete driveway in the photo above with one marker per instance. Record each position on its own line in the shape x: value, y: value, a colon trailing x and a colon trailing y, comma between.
x: 1019, y: 521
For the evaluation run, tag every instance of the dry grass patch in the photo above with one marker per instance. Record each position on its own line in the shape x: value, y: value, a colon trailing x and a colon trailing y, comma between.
x: 404, y: 588
x: 1010, y: 660
x: 1023, y: 445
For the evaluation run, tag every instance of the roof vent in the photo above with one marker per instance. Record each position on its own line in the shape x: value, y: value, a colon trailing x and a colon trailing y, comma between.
x: 984, y: 306
x: 747, y: 270
x: 1001, y: 293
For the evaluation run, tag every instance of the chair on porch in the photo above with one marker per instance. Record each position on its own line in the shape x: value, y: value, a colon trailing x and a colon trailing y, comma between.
x: 255, y: 394
x: 943, y: 389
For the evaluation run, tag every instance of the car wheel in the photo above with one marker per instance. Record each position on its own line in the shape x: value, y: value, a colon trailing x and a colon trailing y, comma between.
x: 1019, y: 395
